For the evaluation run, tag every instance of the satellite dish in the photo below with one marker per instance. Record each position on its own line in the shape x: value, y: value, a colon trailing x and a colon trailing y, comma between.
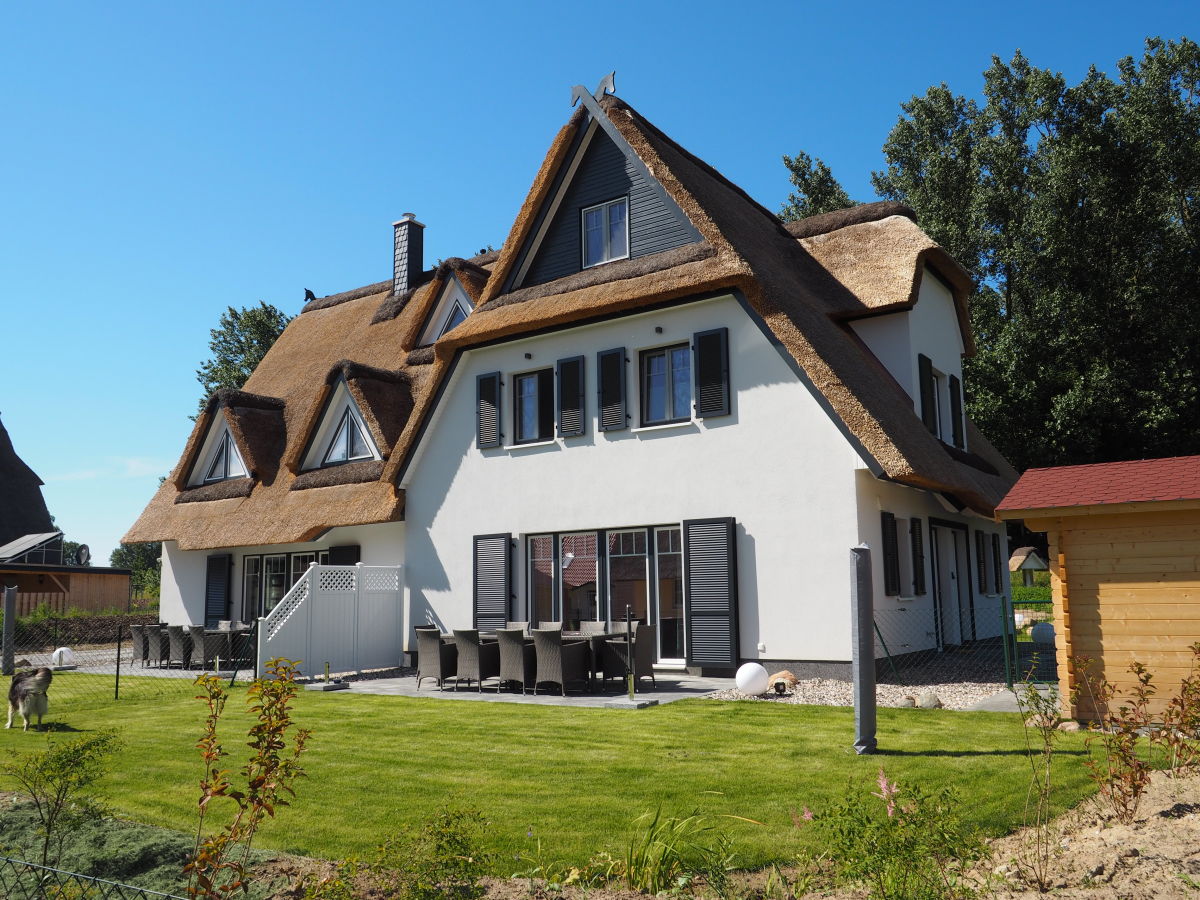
x: 84, y: 554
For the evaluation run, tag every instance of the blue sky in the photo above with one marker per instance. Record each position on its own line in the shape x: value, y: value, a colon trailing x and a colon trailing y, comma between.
x: 161, y: 161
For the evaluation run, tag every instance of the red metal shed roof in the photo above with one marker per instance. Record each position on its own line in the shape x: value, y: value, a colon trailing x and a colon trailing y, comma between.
x: 1174, y: 478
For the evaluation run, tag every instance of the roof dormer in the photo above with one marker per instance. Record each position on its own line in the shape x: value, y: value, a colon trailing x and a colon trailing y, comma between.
x: 219, y: 458
x: 451, y: 309
x: 341, y: 435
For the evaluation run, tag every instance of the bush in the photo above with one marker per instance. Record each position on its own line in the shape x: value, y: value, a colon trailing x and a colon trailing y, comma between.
x: 1036, y: 596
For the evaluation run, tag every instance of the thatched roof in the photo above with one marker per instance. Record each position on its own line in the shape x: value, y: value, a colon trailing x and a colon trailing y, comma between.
x: 22, y: 507
x: 804, y: 280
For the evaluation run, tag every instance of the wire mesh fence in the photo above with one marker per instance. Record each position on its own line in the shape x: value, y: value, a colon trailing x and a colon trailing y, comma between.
x: 97, y: 660
x: 927, y: 642
x: 20, y: 880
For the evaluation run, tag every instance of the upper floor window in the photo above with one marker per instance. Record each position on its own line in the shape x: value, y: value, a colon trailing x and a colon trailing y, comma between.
x: 941, y: 403
x: 606, y: 232
x: 533, y: 406
x: 666, y: 385
x: 347, y: 443
x: 226, y: 462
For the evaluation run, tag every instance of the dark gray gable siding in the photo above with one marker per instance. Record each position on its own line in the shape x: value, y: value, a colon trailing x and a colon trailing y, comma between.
x: 656, y: 222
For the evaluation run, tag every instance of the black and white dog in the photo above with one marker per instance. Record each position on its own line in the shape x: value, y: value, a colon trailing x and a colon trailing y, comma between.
x: 27, y: 696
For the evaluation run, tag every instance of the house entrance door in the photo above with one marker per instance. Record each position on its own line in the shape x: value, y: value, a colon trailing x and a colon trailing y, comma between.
x: 949, y: 584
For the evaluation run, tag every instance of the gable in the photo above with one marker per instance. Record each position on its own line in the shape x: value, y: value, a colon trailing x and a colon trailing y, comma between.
x: 219, y: 458
x: 598, y: 171
x: 341, y: 435
x: 452, y: 307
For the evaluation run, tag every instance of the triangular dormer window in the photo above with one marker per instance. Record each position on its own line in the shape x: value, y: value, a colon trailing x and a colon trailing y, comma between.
x: 451, y: 310
x: 348, y: 442
x: 342, y: 435
x: 220, y: 459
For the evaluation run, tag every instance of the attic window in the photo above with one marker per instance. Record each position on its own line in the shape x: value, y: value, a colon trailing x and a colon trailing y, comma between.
x: 606, y: 232
x: 456, y: 317
x: 348, y: 442
x: 226, y: 461
x: 451, y: 310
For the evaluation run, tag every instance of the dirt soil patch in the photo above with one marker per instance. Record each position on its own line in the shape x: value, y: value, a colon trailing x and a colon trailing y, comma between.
x: 1094, y: 857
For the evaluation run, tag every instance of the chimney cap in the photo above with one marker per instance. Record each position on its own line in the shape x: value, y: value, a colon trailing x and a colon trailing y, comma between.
x: 406, y: 218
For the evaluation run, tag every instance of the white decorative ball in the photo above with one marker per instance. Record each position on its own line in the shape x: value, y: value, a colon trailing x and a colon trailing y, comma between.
x: 751, y: 679
x: 62, y: 657
x: 1042, y: 633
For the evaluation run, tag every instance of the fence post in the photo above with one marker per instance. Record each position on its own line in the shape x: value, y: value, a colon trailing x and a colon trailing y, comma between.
x: 10, y: 629
x: 358, y: 599
x: 862, y: 601
x: 117, y: 681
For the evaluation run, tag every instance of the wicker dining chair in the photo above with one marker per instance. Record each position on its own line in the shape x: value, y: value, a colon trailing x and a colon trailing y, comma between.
x: 156, y: 644
x: 592, y: 627
x: 435, y: 659
x: 550, y: 626
x: 137, y: 640
x: 518, y: 661
x: 179, y: 651
x: 477, y: 661
x: 208, y: 647
x: 558, y: 663
x: 522, y: 626
x: 614, y: 662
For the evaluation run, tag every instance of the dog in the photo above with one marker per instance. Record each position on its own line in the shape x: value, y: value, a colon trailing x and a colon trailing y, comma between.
x: 27, y: 696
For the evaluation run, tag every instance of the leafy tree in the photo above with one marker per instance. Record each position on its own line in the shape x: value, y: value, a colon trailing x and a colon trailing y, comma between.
x: 816, y: 190
x: 238, y: 345
x: 142, y: 560
x: 1077, y: 210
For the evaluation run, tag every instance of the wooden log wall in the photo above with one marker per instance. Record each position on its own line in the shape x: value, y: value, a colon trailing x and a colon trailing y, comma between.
x: 89, y: 591
x: 1126, y: 588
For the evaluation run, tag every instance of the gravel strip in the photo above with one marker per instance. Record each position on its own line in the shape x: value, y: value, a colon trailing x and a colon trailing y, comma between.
x: 832, y: 692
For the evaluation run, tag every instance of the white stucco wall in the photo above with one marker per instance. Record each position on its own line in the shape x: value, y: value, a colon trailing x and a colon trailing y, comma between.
x: 778, y: 465
x: 184, y: 571
x: 907, y: 621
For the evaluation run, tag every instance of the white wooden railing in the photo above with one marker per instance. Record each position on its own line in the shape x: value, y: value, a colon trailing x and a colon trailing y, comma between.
x: 347, y: 616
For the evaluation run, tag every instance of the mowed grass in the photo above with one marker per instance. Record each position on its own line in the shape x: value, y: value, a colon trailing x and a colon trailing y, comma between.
x: 576, y: 777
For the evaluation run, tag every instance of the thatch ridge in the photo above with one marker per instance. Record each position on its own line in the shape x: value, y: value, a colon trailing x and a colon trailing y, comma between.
x: 346, y: 296
x: 360, y: 472
x: 422, y: 356
x: 823, y: 223
x: 218, y: 490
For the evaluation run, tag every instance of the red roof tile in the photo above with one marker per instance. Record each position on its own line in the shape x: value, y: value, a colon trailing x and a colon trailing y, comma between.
x: 1175, y: 478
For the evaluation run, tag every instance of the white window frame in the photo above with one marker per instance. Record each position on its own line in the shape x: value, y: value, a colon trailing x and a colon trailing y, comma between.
x: 345, y: 423
x: 607, y: 256
x: 235, y: 467
x: 453, y: 299
x: 322, y: 440
x: 643, y: 395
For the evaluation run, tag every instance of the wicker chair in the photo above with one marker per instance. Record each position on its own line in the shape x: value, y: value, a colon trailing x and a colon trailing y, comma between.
x: 559, y: 663
x: 591, y: 627
x: 477, y: 661
x: 156, y: 644
x: 208, y: 647
x: 645, y: 655
x: 435, y: 659
x: 550, y: 626
x: 521, y: 626
x: 180, y: 649
x: 137, y: 640
x: 517, y: 658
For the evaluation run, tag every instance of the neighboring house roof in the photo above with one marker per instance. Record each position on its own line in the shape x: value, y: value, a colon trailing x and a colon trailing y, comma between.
x: 800, y: 280
x: 22, y: 508
x: 1175, y: 478
x: 1026, y: 558
x: 24, y: 544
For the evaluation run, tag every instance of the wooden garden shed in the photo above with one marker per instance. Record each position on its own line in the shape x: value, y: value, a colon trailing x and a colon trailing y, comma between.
x: 1124, y: 561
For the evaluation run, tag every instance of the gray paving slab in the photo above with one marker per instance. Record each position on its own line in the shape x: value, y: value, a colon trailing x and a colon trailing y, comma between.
x: 671, y: 686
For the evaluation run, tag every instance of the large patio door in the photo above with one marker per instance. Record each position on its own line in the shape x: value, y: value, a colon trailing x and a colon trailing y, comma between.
x: 668, y: 581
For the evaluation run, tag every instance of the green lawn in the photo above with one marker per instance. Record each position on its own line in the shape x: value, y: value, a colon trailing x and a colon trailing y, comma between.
x: 577, y: 777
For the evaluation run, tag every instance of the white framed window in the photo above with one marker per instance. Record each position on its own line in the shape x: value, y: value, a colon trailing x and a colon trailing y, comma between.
x: 666, y: 385
x: 219, y: 459
x: 341, y: 436
x: 348, y: 442
x: 605, y: 232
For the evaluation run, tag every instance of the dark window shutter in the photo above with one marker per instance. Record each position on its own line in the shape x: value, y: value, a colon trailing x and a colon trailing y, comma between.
x: 610, y: 366
x: 891, y: 555
x: 929, y: 413
x: 711, y: 350
x: 917, y: 537
x: 956, y: 411
x: 981, y: 561
x: 710, y: 593
x: 545, y: 386
x: 487, y: 389
x: 493, y: 580
x: 346, y: 555
x: 997, y: 572
x: 216, y: 589
x: 571, y: 419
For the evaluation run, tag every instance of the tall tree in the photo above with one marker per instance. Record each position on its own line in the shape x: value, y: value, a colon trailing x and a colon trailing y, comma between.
x: 238, y: 344
x: 142, y: 560
x: 816, y: 190
x: 1075, y: 208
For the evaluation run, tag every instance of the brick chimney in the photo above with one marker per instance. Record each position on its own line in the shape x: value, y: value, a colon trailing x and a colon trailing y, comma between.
x: 408, y: 261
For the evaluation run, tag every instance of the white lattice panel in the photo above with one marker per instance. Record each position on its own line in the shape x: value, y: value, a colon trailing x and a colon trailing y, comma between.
x: 381, y: 579
x: 334, y: 580
x: 288, y: 605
